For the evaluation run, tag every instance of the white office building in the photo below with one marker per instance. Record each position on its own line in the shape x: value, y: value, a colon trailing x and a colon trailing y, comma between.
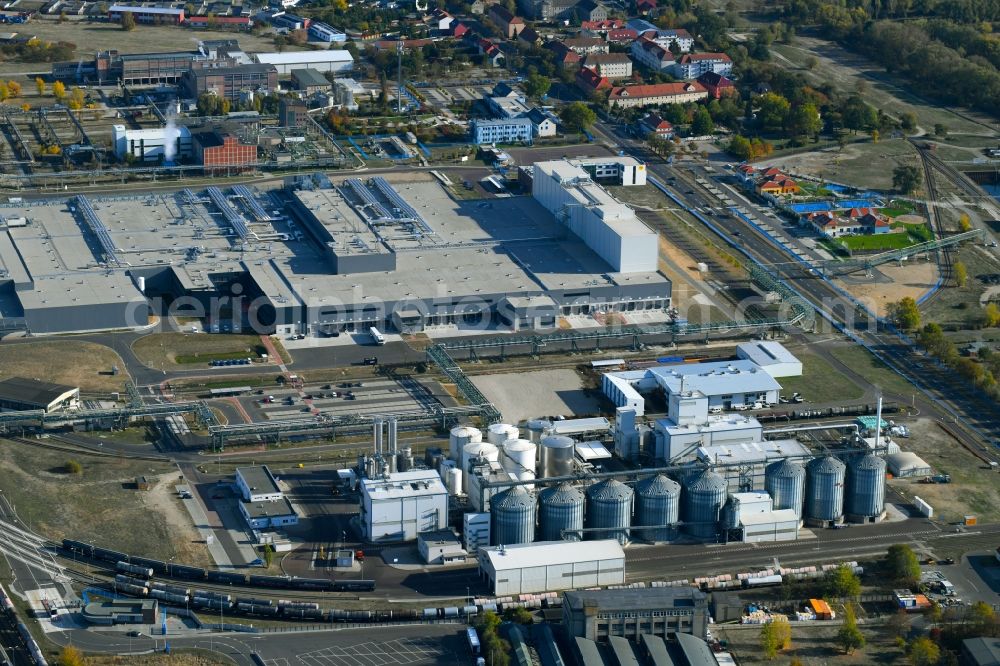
x: 326, y: 33
x: 257, y: 484
x: 551, y: 566
x: 675, y: 441
x: 606, y: 225
x: 402, y: 505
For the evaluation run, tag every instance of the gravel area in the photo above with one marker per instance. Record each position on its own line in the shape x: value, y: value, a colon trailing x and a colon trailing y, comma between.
x: 528, y: 395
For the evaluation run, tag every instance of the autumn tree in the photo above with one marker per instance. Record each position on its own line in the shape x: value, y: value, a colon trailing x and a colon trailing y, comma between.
x: 842, y: 582
x: 902, y: 564
x: 961, y: 273
x: 775, y: 636
x: 923, y: 651
x: 70, y: 656
x: 849, y: 637
x: 964, y: 223
x: 15, y: 88
x: 128, y: 21
x: 59, y: 89
x: 40, y: 85
x: 905, y: 313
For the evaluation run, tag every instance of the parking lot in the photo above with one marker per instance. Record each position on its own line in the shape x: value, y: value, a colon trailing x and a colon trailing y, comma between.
x: 433, y: 644
x: 371, y: 396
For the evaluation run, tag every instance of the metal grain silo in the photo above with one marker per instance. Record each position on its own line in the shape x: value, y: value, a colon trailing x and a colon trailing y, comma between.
x: 518, y: 458
x: 865, y: 499
x: 557, y: 455
x: 658, y: 502
x: 536, y: 429
x: 498, y: 433
x: 560, y: 508
x: 703, y: 497
x: 512, y: 517
x: 785, y: 482
x: 459, y: 437
x: 609, y: 506
x: 824, y: 490
x: 477, y: 450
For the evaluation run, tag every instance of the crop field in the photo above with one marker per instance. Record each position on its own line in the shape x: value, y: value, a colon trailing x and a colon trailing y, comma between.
x: 99, y: 505
x: 71, y: 362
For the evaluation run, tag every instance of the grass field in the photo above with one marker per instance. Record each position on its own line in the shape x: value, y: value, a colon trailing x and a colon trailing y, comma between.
x: 863, y: 164
x: 71, y: 362
x: 173, y: 349
x: 958, y: 307
x: 814, y: 644
x: 872, y: 369
x: 90, y: 37
x: 820, y: 382
x: 898, y: 207
x: 100, y: 505
x: 883, y: 242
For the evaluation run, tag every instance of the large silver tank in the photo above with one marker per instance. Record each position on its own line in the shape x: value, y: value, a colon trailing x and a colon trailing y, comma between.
x: 609, y: 505
x: 560, y: 508
x: 512, y: 517
x: 785, y: 482
x: 536, y: 429
x: 865, y: 487
x: 658, y: 502
x: 703, y: 497
x: 557, y: 455
x: 824, y: 489
x: 459, y: 437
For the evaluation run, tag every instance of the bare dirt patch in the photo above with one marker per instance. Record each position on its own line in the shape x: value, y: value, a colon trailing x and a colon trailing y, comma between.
x: 162, y: 498
x: 974, y: 488
x: 912, y: 279
x: 527, y: 395
x: 72, y: 362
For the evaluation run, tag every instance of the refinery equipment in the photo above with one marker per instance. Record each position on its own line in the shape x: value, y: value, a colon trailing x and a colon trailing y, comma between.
x: 865, y: 498
x: 519, y: 458
x: 560, y: 513
x: 824, y: 491
x: 453, y: 481
x: 477, y: 450
x: 498, y: 433
x: 609, y: 511
x: 536, y: 429
x: 785, y: 482
x: 703, y: 497
x: 557, y: 455
x: 512, y: 517
x: 459, y: 437
x: 657, y: 503
x: 404, y: 459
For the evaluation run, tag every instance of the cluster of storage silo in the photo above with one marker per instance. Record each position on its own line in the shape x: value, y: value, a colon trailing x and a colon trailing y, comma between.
x: 835, y: 491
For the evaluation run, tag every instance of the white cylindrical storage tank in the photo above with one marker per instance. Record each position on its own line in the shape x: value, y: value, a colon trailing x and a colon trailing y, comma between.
x: 477, y: 450
x: 453, y: 481
x: 519, y: 458
x: 498, y: 433
x: 459, y: 437
x: 557, y: 455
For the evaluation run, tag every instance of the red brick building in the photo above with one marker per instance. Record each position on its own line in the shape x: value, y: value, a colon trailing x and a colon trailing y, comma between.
x: 220, y: 151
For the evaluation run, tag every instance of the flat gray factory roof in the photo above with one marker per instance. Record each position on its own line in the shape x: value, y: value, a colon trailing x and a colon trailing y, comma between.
x: 716, y: 378
x: 259, y: 479
x: 280, y: 507
x: 32, y: 391
x: 752, y: 452
x: 655, y: 598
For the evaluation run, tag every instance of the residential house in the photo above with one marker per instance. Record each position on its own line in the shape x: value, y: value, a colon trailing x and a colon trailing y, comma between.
x: 692, y: 65
x: 565, y: 56
x: 543, y: 123
x: 509, y: 24
x: 504, y: 89
x: 547, y: 10
x: 589, y: 81
x: 653, y: 124
x: 778, y: 184
x: 441, y: 20
x: 613, y: 66
x: 508, y: 130
x: 529, y: 36
x: 717, y: 85
x: 662, y: 36
x: 601, y: 27
x: 826, y: 223
x: 622, y: 36
x: 875, y: 223
x: 459, y: 30
x: 660, y: 93
x: 586, y: 45
x: 491, y: 51
x: 591, y: 10
x: 648, y: 53
x: 645, y: 7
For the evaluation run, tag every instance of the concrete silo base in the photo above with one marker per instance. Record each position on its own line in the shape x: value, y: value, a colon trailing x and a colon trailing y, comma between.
x: 813, y: 522
x: 862, y: 520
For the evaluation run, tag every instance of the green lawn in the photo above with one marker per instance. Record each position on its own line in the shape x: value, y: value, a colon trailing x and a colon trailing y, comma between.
x: 920, y: 232
x: 897, y: 207
x: 877, y: 242
x: 872, y: 369
x: 819, y: 382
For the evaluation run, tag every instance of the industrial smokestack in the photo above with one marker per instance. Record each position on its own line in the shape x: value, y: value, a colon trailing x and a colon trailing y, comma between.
x: 878, y: 424
x: 377, y: 426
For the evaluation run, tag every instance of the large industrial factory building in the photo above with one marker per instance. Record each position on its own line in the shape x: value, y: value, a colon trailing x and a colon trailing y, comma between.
x: 319, y: 258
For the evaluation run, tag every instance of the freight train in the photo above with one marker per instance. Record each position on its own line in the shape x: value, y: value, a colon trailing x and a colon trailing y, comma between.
x: 800, y: 412
x: 7, y: 608
x: 142, y: 569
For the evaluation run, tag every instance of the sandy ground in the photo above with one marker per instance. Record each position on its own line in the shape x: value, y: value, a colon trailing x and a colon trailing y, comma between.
x: 162, y: 498
x: 83, y: 364
x: 913, y: 279
x: 528, y: 395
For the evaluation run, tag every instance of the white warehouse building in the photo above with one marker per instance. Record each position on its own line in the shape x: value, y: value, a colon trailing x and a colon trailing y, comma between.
x: 332, y: 60
x: 403, y: 505
x: 551, y: 566
x: 771, y: 356
x: 606, y: 225
x: 149, y: 145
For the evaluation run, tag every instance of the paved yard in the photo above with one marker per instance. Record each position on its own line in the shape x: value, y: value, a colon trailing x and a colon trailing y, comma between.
x: 527, y: 395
